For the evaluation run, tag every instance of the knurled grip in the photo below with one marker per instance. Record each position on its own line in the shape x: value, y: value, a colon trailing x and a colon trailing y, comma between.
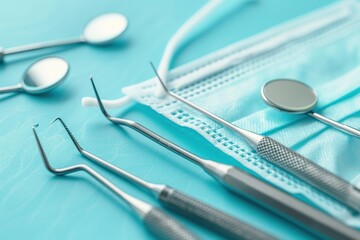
x: 205, y: 215
x: 309, y: 172
x: 287, y: 206
x: 165, y: 227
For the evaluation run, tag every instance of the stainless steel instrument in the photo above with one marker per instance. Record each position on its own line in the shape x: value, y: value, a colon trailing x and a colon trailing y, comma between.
x: 260, y: 192
x: 181, y: 203
x: 42, y: 76
x: 156, y: 221
x: 296, y: 97
x: 284, y: 157
x: 101, y: 30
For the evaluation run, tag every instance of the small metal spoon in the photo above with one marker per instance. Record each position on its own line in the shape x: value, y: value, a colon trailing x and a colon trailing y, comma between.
x: 101, y: 30
x: 41, y: 76
x: 296, y: 97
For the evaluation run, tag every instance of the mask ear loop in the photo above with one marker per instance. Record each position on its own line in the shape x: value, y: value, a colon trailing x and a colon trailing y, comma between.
x: 168, y: 55
x: 177, y: 38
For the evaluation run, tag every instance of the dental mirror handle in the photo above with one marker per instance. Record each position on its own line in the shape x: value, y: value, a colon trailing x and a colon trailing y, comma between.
x: 41, y: 45
x: 285, y: 205
x: 340, y: 126
x: 208, y: 216
x: 14, y: 88
x: 309, y: 172
x: 165, y: 227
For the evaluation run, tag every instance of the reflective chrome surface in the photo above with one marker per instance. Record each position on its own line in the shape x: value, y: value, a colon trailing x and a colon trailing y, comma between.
x: 296, y: 97
x: 105, y: 28
x: 42, y: 76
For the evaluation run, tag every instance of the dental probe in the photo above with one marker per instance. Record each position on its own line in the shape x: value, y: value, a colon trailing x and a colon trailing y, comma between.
x: 286, y: 158
x: 258, y: 191
x: 162, y: 225
x: 181, y: 203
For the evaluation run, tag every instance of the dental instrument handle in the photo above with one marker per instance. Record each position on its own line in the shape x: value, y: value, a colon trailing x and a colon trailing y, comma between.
x: 165, y: 227
x: 286, y: 158
x: 187, y: 206
x: 342, y: 127
x: 41, y: 45
x: 209, y: 217
x: 282, y: 203
x: 309, y: 172
x: 9, y: 89
x: 293, y: 162
x: 157, y: 222
x: 274, y: 197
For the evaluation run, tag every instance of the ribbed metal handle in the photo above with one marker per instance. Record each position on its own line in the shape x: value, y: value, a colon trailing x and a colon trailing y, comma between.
x: 309, y: 172
x: 209, y: 217
x: 165, y: 227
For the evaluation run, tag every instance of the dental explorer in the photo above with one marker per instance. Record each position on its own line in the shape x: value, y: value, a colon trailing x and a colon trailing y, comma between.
x: 250, y: 187
x: 181, y: 203
x: 156, y: 221
x: 286, y: 158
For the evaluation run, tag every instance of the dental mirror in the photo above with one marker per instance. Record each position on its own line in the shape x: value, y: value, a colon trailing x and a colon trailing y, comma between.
x: 42, y: 76
x: 296, y: 97
x: 101, y: 30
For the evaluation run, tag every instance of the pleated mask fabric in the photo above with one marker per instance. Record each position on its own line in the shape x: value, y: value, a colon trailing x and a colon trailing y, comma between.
x: 320, y: 49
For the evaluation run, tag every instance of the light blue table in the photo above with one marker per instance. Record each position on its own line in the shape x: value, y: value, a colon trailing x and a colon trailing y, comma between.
x: 36, y: 205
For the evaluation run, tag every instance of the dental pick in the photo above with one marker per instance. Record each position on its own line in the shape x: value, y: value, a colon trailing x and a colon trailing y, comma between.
x: 156, y: 221
x: 286, y: 158
x: 250, y: 187
x: 181, y: 203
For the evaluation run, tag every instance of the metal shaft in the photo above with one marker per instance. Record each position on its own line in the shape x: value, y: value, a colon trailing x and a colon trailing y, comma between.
x: 222, y: 173
x: 9, y: 89
x: 191, y: 208
x: 287, y: 206
x: 41, y: 45
x: 342, y: 127
x: 158, y: 222
x: 155, y: 188
x: 287, y: 159
x: 183, y: 204
x: 262, y: 193
x: 166, y: 143
x: 140, y: 207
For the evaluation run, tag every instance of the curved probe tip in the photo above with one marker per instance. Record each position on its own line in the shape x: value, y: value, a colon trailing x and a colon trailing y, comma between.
x: 102, y: 108
x: 73, y: 139
x: 56, y: 119
x: 162, y: 84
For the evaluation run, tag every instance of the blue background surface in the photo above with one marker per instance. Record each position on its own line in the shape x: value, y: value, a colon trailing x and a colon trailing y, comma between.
x: 36, y: 205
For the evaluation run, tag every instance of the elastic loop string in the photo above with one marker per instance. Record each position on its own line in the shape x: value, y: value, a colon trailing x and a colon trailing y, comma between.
x: 170, y: 49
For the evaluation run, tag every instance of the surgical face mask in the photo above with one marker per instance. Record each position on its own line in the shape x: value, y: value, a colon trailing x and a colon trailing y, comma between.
x: 321, y: 49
